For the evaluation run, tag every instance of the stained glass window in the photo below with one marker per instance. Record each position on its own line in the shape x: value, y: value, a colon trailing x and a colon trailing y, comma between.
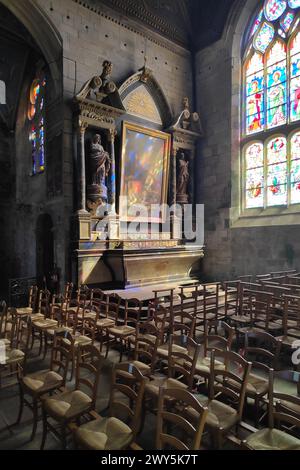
x: 35, y: 114
x: 271, y: 104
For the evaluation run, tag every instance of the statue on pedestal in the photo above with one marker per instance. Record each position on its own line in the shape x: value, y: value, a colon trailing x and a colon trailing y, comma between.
x: 99, y: 166
x: 183, y: 179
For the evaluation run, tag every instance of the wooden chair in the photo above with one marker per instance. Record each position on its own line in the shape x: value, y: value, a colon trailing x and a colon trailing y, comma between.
x: 227, y: 390
x: 290, y: 321
x: 119, y: 430
x: 145, y: 348
x: 44, y: 382
x: 231, y: 300
x: 12, y: 357
x: 182, y: 359
x: 218, y: 335
x: 206, y: 304
x: 5, y: 324
x: 185, y: 324
x: 281, y: 413
x: 69, y: 406
x: 263, y: 351
x: 173, y: 419
x: 124, y: 326
x: 32, y: 302
x: 78, y: 339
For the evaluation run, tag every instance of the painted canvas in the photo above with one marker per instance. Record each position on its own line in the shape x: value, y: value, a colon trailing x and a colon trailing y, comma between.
x: 145, y: 162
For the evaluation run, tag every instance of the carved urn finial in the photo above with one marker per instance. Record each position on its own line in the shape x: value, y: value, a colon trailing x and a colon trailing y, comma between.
x: 146, y: 73
x: 108, y: 85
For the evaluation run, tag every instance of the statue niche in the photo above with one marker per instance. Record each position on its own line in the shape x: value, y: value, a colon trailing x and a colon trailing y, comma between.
x: 183, y: 177
x: 99, y: 163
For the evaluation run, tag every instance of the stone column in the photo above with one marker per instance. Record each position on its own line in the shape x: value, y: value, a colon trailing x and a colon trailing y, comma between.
x: 112, y: 173
x: 191, y: 189
x: 174, y: 175
x: 81, y: 167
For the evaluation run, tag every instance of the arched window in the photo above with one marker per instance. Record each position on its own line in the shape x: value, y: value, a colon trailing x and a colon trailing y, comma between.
x: 271, y: 111
x: 36, y: 116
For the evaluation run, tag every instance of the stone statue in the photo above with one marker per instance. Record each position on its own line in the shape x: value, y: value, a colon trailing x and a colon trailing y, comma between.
x: 99, y: 166
x: 183, y: 179
x: 99, y: 161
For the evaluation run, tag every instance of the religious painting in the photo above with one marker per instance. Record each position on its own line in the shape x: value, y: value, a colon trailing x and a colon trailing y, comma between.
x: 144, y: 174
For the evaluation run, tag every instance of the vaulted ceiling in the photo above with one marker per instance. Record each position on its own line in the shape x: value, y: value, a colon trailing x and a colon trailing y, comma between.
x: 190, y: 23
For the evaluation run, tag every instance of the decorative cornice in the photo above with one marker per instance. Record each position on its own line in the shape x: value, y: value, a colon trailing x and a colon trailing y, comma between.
x: 106, y: 10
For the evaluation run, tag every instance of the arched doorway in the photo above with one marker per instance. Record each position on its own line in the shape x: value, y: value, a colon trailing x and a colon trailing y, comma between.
x: 44, y: 250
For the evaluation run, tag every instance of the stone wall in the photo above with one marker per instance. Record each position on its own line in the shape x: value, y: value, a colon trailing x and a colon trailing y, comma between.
x: 88, y: 39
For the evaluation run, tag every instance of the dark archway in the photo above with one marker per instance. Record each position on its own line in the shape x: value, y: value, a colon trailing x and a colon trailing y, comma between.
x: 44, y: 250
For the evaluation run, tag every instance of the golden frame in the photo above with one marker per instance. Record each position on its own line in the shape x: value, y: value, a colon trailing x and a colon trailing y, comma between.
x: 166, y: 138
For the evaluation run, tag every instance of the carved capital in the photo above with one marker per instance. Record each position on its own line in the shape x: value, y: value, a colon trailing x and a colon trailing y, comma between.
x: 82, y: 127
x: 112, y: 134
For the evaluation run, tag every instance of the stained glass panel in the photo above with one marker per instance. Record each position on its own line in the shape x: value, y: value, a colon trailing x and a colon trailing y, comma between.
x: 295, y: 99
x: 287, y: 21
x: 254, y: 198
x: 255, y: 64
x: 277, y: 150
x: 255, y: 113
x: 295, y: 181
x: 295, y: 44
x: 256, y: 23
x: 264, y: 37
x: 277, y: 195
x: 294, y: 3
x: 277, y: 53
x: 274, y: 9
x: 255, y: 83
x: 295, y: 146
x: 254, y: 156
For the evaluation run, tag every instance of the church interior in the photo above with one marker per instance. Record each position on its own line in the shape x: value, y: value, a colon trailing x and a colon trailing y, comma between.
x: 149, y: 205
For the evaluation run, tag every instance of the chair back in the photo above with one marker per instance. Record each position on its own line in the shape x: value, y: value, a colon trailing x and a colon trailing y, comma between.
x: 3, y: 318
x: 284, y: 407
x: 291, y: 312
x: 32, y: 297
x: 44, y: 302
x: 230, y: 382
x: 175, y: 420
x: 88, y: 368
x: 126, y: 396
x: 133, y: 308
x: 183, y: 353
x: 262, y: 349
x: 62, y: 353
x: 146, y: 344
x: 185, y: 323
x: 220, y: 339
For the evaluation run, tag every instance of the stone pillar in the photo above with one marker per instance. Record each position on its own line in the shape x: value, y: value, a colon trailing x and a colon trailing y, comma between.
x: 175, y: 222
x: 191, y: 189
x: 112, y: 173
x: 174, y: 175
x: 81, y: 167
x: 113, y: 221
